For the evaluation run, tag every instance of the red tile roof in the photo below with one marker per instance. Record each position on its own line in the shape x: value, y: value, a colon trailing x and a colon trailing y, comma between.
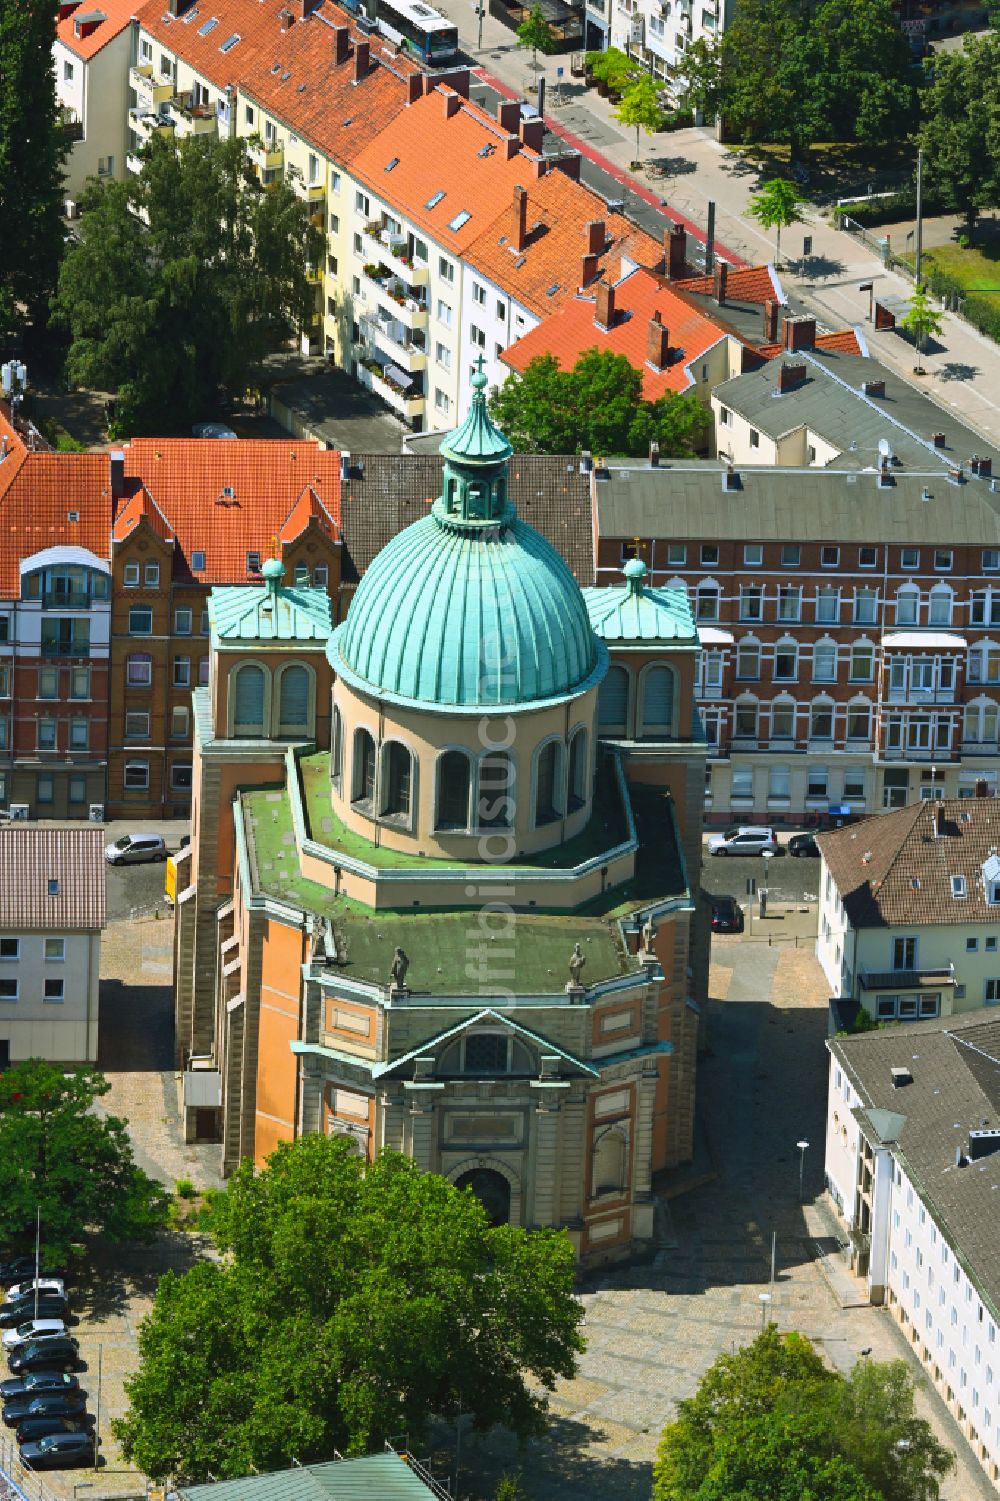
x: 751, y: 284
x: 182, y: 35
x: 114, y: 15
x: 226, y: 498
x: 549, y: 269
x: 32, y: 858
x: 140, y: 505
x: 842, y: 341
x: 35, y: 510
x: 572, y: 330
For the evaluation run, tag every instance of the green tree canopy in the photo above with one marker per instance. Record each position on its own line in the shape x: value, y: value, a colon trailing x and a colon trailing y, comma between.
x: 772, y: 1423
x: 536, y: 33
x: 597, y: 405
x: 921, y: 319
x: 57, y: 1155
x: 32, y: 152
x: 356, y: 1301
x: 640, y: 107
x: 960, y: 133
x: 776, y: 206
x: 177, y: 311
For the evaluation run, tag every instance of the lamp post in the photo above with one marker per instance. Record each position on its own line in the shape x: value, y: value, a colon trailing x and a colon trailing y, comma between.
x: 766, y: 855
x: 802, y: 1146
x: 765, y: 1300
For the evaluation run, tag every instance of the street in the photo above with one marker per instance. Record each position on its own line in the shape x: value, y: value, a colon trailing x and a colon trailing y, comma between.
x: 787, y: 879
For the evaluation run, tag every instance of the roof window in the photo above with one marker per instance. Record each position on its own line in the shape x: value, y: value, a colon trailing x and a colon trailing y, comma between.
x: 197, y: 562
x: 230, y: 42
x: 276, y: 68
x: 915, y: 883
x: 461, y: 218
x: 394, y: 163
x: 434, y: 200
x: 208, y: 26
x: 72, y: 515
x: 551, y: 291
x: 53, y: 886
x: 958, y: 885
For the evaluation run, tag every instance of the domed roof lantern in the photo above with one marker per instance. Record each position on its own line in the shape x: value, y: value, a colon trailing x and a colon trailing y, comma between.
x: 636, y: 573
x: 272, y: 573
x: 476, y: 454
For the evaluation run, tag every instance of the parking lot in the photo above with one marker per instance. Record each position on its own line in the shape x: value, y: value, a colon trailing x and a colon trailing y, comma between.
x: 787, y: 879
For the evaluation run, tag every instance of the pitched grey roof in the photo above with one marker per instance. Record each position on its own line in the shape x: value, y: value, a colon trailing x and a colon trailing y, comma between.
x: 376, y: 1477
x: 955, y: 1066
x: 688, y: 499
x: 31, y: 859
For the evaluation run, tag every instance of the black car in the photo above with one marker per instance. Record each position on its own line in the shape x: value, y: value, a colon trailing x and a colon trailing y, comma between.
x: 61, y: 1354
x: 59, y: 1451
x: 30, y: 1429
x: 13, y: 1314
x: 727, y: 915
x: 22, y: 1269
x: 52, y: 1405
x: 804, y: 846
x: 38, y: 1384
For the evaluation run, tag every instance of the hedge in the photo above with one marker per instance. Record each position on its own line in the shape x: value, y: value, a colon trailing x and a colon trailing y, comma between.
x: 980, y: 311
x: 889, y: 210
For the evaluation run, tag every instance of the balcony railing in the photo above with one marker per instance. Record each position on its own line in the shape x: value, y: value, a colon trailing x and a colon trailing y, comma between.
x: 266, y: 156
x: 393, y: 339
x: 63, y: 648
x: 150, y: 92
x: 906, y: 979
x: 309, y: 192
x: 409, y: 405
x: 193, y: 119
x: 147, y: 123
x: 914, y: 695
x: 382, y: 245
x: 391, y: 294
x: 67, y: 599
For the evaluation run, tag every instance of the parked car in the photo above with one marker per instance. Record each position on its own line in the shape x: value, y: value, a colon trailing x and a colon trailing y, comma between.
x: 136, y: 849
x: 22, y: 1269
x: 727, y: 915
x: 46, y: 1355
x: 803, y: 846
x: 212, y: 430
x: 13, y: 1314
x: 48, y: 1287
x: 745, y: 839
x: 38, y: 1384
x: 41, y: 1426
x: 59, y: 1451
x: 52, y: 1405
x: 33, y: 1330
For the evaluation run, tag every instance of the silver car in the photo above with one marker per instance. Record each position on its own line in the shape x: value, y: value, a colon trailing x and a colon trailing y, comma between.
x: 136, y: 849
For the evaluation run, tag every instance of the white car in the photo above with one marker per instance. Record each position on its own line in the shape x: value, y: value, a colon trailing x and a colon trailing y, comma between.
x: 48, y: 1287
x: 34, y: 1329
x: 748, y: 839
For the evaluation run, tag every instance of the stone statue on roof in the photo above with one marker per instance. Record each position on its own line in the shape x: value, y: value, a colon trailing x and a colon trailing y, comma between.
x: 576, y: 962
x: 400, y: 964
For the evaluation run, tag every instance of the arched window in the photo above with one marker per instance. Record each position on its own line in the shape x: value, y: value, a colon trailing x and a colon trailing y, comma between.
x: 454, y: 786
x: 548, y: 784
x: 294, y: 694
x: 907, y: 604
x: 939, y: 607
x: 610, y: 1163
x: 363, y: 789
x: 821, y: 719
x: 248, y: 701
x: 397, y: 781
x: 825, y: 661
x: 496, y: 791
x: 658, y: 701
x: 337, y: 749
x: 612, y: 701
x: 578, y: 770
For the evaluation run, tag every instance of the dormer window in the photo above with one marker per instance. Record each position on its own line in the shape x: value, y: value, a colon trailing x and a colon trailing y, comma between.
x: 993, y: 893
x: 958, y: 886
x: 991, y: 879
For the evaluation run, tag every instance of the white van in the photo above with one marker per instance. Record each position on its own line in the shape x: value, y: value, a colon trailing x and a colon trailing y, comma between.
x: 136, y: 849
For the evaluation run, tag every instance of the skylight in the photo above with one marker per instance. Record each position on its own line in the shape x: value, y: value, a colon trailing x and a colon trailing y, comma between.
x: 551, y: 291
x: 434, y: 200
x: 208, y: 26
x: 394, y: 163
x: 230, y: 42
x: 462, y: 217
x: 958, y: 885
x: 276, y: 68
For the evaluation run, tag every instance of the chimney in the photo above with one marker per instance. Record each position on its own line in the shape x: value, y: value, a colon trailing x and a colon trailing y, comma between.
x: 509, y: 114
x: 604, y: 312
x: 569, y: 163
x: 361, y: 54
x: 308, y: 6
x: 533, y: 133
x: 939, y: 440
x: 873, y: 388
x: 730, y: 478
x: 117, y: 462
x: 676, y: 252
x: 519, y: 235
x: 452, y: 102
x: 721, y: 278
x: 341, y: 44
x: 286, y: 20
x: 414, y: 87
x: 771, y: 309
x: 654, y: 455
x: 591, y: 265
x: 511, y: 145
x: 982, y: 467
x: 657, y: 344
x: 789, y: 376
x: 458, y: 79
x: 596, y: 235
x: 799, y: 333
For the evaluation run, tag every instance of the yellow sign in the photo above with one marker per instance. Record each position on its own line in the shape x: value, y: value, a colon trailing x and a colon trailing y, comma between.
x: 170, y: 892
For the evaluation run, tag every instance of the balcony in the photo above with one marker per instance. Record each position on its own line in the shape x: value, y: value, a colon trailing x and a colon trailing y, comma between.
x: 391, y: 294
x: 133, y: 164
x: 66, y: 648
x: 393, y: 339
x: 150, y: 92
x: 66, y: 599
x: 309, y: 192
x: 265, y: 156
x: 906, y: 979
x: 71, y: 127
x: 146, y: 124
x: 407, y: 405
x: 392, y: 250
x: 914, y: 695
x: 192, y: 119
x: 914, y: 753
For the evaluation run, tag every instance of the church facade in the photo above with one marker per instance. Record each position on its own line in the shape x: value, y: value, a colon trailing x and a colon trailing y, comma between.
x: 441, y: 894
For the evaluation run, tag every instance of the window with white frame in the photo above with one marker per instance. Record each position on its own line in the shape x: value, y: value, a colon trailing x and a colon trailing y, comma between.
x: 748, y: 659
x: 825, y: 662
x: 786, y: 660
x: 136, y: 775
x: 865, y: 606
x: 782, y: 719
x: 827, y: 605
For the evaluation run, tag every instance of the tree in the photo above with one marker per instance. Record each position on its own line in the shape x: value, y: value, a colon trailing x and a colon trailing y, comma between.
x: 640, y: 107
x: 772, y: 1423
x: 597, y: 405
x: 175, y: 312
x: 865, y: 70
x: 536, y: 33
x: 769, y: 82
x: 960, y: 134
x: 699, y: 78
x: 920, y: 320
x: 58, y: 1156
x: 776, y: 206
x: 355, y: 1301
x: 32, y: 150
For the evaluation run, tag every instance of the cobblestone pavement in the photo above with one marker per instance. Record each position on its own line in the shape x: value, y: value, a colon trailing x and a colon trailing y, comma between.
x: 653, y: 1331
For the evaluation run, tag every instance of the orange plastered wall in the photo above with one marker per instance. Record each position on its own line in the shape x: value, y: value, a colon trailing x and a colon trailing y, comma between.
x: 280, y: 1005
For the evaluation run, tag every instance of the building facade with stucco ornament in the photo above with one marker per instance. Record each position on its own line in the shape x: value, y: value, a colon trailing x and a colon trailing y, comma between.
x: 441, y: 894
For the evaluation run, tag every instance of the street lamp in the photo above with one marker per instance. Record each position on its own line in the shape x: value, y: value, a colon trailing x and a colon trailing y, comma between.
x: 765, y: 856
x: 765, y: 1299
x: 802, y: 1146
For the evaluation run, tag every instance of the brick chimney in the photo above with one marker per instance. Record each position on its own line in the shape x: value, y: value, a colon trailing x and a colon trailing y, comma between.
x: 286, y: 20
x: 511, y: 146
x: 532, y: 134
x: 414, y: 87
x: 604, y: 312
x: 721, y: 278
x: 116, y: 460
x: 361, y: 60
x: 569, y: 163
x: 596, y: 236
x: 341, y: 44
x: 676, y: 251
x: 799, y: 333
x: 519, y: 234
x: 657, y: 343
x: 591, y: 264
x: 772, y: 308
x: 308, y: 6
x: 789, y: 376
x: 452, y: 102
x: 509, y: 114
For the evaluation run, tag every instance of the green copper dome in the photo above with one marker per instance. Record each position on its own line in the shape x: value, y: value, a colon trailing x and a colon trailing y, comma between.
x: 469, y: 608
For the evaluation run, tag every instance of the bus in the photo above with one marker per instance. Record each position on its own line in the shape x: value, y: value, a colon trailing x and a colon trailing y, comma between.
x: 424, y: 33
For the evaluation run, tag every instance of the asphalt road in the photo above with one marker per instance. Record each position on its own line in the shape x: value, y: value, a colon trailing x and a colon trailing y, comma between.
x: 787, y: 879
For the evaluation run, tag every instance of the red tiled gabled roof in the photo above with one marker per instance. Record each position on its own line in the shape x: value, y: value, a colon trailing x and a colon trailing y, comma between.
x: 52, y: 879
x: 14, y: 454
x: 572, y: 330
x: 100, y: 22
x: 307, y: 508
x: 750, y: 284
x: 35, y: 512
x: 548, y: 270
x: 841, y: 341
x: 252, y: 22
x: 434, y: 167
x: 141, y: 506
x: 226, y: 498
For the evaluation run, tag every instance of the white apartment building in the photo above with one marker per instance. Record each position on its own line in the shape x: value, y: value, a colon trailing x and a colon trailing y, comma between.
x: 52, y: 913
x: 912, y: 1169
x: 656, y: 33
x: 91, y: 57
